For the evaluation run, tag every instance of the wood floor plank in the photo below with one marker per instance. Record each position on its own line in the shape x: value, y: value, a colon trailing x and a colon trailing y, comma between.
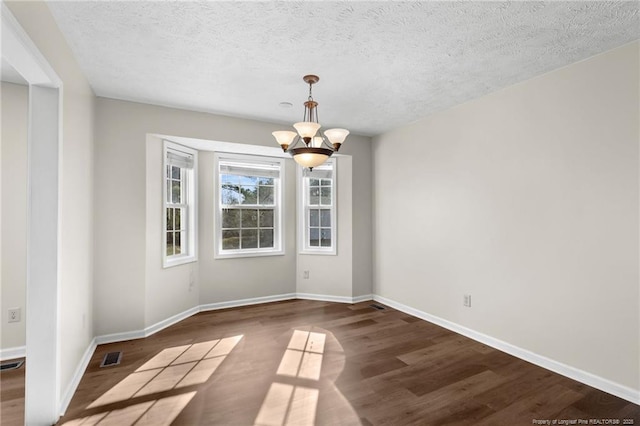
x: 12, y: 395
x: 347, y: 365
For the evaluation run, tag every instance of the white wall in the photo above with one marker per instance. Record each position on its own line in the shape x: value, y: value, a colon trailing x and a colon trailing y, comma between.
x: 527, y: 199
x: 167, y: 291
x: 362, y: 213
x: 76, y: 185
x: 332, y: 275
x: 242, y: 278
x: 128, y: 261
x: 15, y: 110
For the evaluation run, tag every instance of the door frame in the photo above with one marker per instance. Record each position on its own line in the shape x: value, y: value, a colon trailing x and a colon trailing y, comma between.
x: 42, y: 376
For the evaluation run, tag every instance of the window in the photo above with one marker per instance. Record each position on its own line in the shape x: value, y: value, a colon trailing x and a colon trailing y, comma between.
x: 248, y: 205
x: 317, y: 224
x: 179, y: 183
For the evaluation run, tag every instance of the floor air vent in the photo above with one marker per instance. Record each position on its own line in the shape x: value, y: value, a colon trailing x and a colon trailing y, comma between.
x: 376, y: 306
x: 112, y: 358
x: 12, y: 365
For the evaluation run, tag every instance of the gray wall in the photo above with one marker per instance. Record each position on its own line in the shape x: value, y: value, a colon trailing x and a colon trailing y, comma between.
x: 15, y: 111
x: 527, y: 199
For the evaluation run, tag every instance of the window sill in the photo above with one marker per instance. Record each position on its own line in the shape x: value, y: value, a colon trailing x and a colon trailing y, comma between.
x: 240, y: 254
x: 171, y: 262
x: 329, y: 252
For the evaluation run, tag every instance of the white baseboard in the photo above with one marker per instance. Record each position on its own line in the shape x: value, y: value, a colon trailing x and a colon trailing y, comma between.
x: 329, y: 298
x: 246, y: 302
x: 161, y: 325
x: 12, y: 353
x: 363, y: 298
x: 324, y: 297
x: 77, y: 376
x: 581, y: 376
x: 120, y: 337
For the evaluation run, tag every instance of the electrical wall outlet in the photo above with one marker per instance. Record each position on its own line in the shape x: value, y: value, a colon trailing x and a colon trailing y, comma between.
x: 467, y: 300
x: 305, y: 275
x: 14, y: 315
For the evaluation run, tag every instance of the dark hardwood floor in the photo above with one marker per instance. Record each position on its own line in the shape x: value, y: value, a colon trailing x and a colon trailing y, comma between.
x: 308, y: 362
x: 12, y: 395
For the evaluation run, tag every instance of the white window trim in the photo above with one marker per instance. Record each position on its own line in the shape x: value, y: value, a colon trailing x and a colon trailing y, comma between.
x: 192, y: 210
x: 279, y: 211
x: 303, y: 193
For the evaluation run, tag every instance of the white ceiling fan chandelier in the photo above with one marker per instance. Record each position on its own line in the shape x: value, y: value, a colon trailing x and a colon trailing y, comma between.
x: 310, y: 147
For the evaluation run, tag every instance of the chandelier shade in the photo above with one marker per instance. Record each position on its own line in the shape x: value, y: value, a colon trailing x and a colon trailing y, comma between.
x: 308, y: 145
x: 310, y: 157
x: 284, y: 138
x: 336, y: 136
x: 307, y: 129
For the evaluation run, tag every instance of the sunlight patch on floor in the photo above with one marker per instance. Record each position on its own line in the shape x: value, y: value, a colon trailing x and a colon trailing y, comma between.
x: 287, y: 404
x: 159, y: 412
x: 172, y: 368
x: 303, y: 356
x: 175, y: 367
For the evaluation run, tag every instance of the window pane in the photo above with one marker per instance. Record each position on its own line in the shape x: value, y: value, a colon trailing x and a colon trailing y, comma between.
x: 168, y: 172
x: 266, y: 238
x: 176, y: 195
x: 314, y: 219
x: 266, y: 195
x: 248, y: 180
x: 177, y: 214
x: 168, y: 190
x: 249, y: 238
x: 314, y: 237
x: 266, y: 218
x: 230, y: 240
x: 230, y: 194
x: 249, y: 218
x: 325, y: 218
x: 325, y: 237
x: 326, y: 182
x: 175, y: 172
x: 314, y: 196
x: 169, y: 243
x: 249, y: 194
x: 169, y: 225
x: 233, y: 179
x: 325, y: 196
x: 314, y: 182
x: 253, y: 217
x: 177, y: 238
x: 230, y: 218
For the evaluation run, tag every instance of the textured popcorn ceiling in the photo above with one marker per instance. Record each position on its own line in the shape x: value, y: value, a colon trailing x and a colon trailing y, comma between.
x: 381, y: 64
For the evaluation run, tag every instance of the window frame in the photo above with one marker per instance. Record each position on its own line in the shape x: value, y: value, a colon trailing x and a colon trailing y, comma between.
x: 278, y: 210
x: 189, y: 178
x: 303, y: 212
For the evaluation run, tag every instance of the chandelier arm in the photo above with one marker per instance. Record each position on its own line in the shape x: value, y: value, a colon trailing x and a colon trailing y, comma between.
x: 296, y: 141
x: 325, y: 141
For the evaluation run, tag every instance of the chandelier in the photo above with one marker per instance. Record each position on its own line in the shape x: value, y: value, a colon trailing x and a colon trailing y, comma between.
x: 310, y: 147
